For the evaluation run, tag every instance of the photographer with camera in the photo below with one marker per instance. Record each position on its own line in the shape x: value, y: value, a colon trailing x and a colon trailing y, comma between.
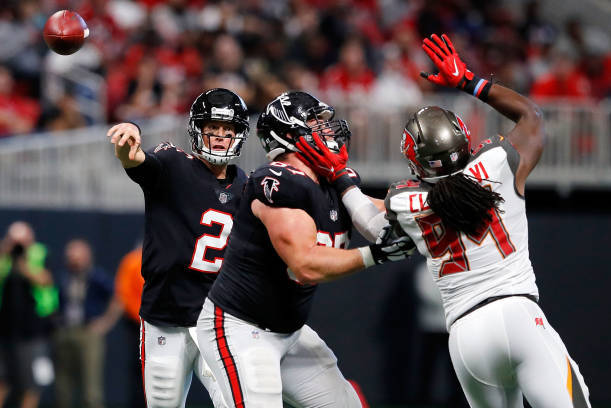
x: 28, y: 300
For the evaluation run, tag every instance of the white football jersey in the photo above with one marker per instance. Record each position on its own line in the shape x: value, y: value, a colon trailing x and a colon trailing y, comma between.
x: 469, y: 269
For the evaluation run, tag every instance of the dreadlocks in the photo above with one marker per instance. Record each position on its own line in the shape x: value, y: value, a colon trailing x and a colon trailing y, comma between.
x: 462, y: 203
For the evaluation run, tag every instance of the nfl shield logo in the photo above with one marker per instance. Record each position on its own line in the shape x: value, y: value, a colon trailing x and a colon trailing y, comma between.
x: 223, y: 197
x: 333, y: 215
x: 161, y: 340
x: 454, y: 157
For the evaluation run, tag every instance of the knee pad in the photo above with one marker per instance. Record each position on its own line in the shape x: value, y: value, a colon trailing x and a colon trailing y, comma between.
x: 262, y: 371
x: 164, y: 382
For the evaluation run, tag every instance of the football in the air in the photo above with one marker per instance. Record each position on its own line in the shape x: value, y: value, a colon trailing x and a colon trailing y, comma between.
x: 65, y: 32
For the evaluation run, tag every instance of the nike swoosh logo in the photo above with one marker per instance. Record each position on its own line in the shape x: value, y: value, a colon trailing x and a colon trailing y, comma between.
x: 455, y: 73
x: 277, y: 173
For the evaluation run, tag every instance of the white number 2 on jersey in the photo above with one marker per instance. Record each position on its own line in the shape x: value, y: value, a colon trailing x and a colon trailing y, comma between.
x: 199, y: 262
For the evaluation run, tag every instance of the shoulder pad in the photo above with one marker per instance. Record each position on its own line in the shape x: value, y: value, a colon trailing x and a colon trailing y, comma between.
x: 280, y: 185
x: 400, y: 185
x: 488, y: 144
x: 513, y: 156
x: 404, y: 186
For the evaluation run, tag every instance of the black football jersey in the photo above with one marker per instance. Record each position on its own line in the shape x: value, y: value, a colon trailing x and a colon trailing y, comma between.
x: 255, y: 284
x: 189, y: 215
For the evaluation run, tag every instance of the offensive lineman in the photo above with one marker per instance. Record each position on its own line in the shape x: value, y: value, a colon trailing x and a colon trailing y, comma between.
x: 467, y: 215
x: 190, y: 200
x: 290, y: 236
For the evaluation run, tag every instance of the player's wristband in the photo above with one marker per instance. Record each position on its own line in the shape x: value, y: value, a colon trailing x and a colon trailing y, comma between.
x: 475, y: 86
x: 367, y: 256
x: 342, y: 183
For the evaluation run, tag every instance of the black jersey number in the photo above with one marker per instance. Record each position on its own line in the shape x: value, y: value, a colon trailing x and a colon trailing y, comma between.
x: 199, y: 261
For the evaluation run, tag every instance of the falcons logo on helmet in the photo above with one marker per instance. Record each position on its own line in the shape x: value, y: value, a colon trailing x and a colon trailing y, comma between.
x: 270, y: 185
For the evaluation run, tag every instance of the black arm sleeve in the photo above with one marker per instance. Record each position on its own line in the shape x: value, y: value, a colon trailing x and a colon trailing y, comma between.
x: 148, y: 173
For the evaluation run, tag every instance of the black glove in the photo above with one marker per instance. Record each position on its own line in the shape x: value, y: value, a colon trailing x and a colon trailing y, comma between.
x: 392, y: 245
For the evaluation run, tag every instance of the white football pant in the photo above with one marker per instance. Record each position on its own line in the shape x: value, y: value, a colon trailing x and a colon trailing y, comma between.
x: 169, y: 356
x: 507, y: 348
x: 256, y: 368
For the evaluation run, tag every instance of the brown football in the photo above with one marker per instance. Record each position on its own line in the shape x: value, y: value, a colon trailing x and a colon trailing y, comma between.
x: 65, y: 32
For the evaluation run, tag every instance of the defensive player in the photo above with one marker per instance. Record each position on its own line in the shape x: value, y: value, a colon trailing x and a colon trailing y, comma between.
x: 467, y: 215
x: 290, y: 235
x: 190, y: 201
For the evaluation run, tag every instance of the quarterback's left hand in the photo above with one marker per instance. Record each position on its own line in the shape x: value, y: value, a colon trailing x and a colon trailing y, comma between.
x: 326, y: 163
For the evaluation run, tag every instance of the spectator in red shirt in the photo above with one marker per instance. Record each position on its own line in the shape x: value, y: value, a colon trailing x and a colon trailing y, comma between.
x: 18, y: 114
x: 351, y: 76
x: 564, y: 80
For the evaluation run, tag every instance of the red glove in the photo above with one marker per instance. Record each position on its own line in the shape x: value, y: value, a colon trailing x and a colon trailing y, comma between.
x: 452, y: 71
x: 325, y: 163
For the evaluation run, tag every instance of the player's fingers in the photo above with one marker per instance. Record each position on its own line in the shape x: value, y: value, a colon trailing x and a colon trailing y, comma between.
x: 124, y: 138
x: 343, y: 152
x: 311, y: 155
x: 133, y: 150
x: 441, y: 44
x: 434, y: 47
x: 319, y: 143
x: 116, y: 136
x: 304, y: 159
x: 135, y: 136
x: 303, y: 145
x: 429, y: 49
x: 112, y: 130
x: 448, y: 43
x: 437, y: 79
x: 307, y: 150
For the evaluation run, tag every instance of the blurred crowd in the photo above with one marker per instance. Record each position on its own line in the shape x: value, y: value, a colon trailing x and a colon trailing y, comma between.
x: 53, y: 324
x: 146, y: 58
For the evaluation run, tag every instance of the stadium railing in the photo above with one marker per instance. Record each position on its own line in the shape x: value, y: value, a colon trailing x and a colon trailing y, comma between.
x: 77, y: 169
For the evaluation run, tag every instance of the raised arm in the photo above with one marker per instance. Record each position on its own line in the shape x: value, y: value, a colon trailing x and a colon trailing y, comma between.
x: 527, y: 136
x: 127, y: 141
x: 294, y: 237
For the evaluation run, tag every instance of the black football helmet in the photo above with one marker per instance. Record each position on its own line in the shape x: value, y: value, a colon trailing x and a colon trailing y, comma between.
x: 217, y: 105
x: 437, y: 143
x: 286, y: 118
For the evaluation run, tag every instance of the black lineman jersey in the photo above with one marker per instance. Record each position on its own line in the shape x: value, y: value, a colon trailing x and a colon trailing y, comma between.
x: 255, y: 284
x: 189, y: 215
